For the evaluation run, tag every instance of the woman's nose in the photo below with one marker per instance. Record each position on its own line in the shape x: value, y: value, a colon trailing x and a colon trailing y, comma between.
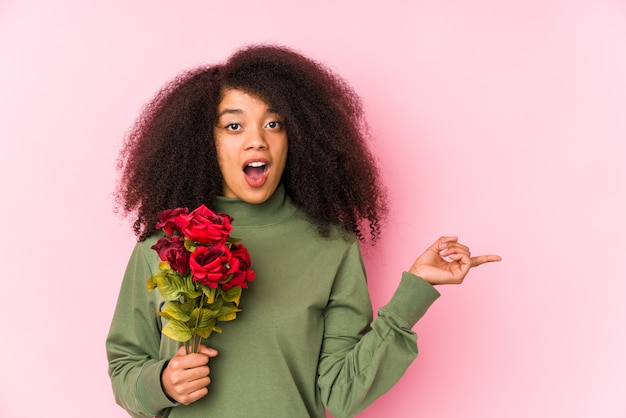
x: 256, y: 139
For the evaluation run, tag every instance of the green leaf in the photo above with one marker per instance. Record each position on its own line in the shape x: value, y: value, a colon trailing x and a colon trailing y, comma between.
x: 178, y: 310
x: 232, y: 295
x: 177, y: 330
x: 191, y: 290
x: 228, y: 317
x: 190, y: 245
x: 203, y: 317
x: 206, y: 331
x: 151, y: 283
x: 210, y: 293
x: 164, y: 315
x: 171, y: 286
x: 228, y: 313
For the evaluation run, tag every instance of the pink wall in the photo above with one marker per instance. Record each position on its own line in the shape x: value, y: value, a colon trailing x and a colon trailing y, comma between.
x: 502, y: 122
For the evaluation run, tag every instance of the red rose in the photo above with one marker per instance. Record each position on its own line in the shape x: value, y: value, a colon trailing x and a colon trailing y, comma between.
x: 212, y: 265
x: 167, y: 220
x: 243, y: 274
x: 204, y: 226
x: 172, y: 250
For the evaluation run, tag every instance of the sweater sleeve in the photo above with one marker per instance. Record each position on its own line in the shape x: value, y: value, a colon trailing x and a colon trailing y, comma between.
x: 133, y: 343
x: 359, y: 360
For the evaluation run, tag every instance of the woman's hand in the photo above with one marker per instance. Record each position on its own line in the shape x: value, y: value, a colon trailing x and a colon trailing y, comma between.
x: 186, y: 376
x: 447, y: 262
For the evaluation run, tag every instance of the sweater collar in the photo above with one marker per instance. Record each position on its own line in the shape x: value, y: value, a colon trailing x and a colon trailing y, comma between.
x: 274, y: 209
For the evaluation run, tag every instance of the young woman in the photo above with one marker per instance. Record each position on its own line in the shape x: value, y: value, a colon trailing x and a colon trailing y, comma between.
x: 278, y: 142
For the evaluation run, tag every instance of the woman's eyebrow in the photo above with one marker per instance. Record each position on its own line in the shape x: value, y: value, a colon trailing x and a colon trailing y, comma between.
x: 229, y: 111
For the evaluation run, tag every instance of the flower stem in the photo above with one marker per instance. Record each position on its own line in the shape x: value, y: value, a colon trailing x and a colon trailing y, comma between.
x: 193, y: 345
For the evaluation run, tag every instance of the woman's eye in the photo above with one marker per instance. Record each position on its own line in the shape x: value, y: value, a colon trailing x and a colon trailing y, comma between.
x: 233, y: 126
x: 274, y: 124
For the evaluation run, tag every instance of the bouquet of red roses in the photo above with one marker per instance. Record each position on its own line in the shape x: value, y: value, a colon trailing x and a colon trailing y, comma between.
x: 202, y: 272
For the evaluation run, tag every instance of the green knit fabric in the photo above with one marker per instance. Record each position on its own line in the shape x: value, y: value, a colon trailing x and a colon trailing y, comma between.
x: 304, y: 340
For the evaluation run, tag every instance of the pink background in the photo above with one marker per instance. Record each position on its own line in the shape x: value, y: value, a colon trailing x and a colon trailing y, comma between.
x: 500, y: 121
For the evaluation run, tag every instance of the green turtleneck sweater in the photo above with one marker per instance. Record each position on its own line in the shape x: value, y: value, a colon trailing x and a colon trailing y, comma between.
x: 304, y: 340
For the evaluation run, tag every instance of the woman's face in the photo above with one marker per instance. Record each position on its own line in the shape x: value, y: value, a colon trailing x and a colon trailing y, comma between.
x: 251, y: 143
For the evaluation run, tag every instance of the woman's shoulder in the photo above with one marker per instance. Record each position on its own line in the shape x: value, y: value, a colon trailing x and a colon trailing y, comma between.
x: 145, y: 246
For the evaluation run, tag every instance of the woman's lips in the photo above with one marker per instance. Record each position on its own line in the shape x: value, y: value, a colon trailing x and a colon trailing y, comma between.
x: 256, y: 172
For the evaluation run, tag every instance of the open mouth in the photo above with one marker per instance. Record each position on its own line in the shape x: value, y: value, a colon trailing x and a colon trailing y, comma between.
x: 255, y: 170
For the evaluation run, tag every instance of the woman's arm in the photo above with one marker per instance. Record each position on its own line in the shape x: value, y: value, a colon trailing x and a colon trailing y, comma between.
x: 361, y: 359
x: 358, y: 363
x: 133, y: 343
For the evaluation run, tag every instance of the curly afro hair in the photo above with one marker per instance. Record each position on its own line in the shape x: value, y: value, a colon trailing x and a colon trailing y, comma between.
x: 169, y: 157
